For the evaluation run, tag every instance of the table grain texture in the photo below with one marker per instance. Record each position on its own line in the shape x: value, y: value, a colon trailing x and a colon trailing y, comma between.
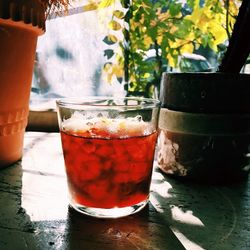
x: 34, y: 211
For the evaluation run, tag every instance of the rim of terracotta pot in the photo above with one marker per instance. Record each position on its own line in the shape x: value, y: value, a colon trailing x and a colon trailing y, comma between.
x: 27, y: 14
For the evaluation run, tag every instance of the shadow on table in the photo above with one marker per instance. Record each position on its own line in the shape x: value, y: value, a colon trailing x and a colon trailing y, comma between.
x: 131, y: 232
x: 205, y: 216
x: 15, y: 224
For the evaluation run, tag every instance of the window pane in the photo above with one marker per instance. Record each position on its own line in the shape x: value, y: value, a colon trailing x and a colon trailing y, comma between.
x: 70, y: 56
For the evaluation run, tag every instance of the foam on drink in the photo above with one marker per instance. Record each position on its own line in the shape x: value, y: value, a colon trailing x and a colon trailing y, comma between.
x: 100, y: 126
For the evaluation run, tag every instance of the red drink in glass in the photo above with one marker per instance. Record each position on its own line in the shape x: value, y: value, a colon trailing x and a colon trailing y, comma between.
x: 108, y: 170
x: 108, y: 145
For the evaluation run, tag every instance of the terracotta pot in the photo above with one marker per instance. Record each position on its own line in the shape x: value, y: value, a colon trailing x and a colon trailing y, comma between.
x: 21, y: 21
x: 205, y: 126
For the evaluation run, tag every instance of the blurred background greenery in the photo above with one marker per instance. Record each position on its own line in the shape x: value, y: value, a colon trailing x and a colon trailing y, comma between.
x: 122, y: 47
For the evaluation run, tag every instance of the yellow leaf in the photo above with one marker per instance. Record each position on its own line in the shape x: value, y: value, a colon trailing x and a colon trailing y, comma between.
x: 162, y: 17
x: 90, y: 7
x: 171, y: 61
x: 190, y: 36
x: 172, y: 57
x: 177, y: 43
x: 234, y: 6
x: 196, y: 4
x: 147, y: 41
x: 159, y: 39
x: 114, y: 25
x: 218, y: 32
x: 120, y: 59
x: 134, y: 25
x: 195, y: 16
x: 187, y: 48
x: 118, y: 71
x: 105, y: 3
x: 109, y: 78
x: 112, y: 38
x: 119, y: 14
x: 146, y: 75
x: 107, y: 67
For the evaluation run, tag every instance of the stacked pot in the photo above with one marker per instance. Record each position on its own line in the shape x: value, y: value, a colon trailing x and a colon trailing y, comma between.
x: 21, y: 22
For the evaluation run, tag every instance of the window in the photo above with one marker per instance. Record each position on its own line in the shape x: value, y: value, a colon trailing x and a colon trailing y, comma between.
x: 70, y: 58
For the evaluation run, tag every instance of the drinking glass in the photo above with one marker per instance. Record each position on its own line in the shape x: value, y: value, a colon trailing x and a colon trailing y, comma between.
x: 108, y: 146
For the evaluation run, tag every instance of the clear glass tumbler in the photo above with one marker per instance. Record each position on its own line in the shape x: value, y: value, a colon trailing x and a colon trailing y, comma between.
x: 108, y: 147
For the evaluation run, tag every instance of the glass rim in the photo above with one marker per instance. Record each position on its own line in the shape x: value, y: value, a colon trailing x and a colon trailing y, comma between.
x: 89, y: 101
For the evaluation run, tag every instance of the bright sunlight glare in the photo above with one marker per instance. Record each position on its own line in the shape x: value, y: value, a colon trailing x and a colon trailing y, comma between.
x: 186, y: 217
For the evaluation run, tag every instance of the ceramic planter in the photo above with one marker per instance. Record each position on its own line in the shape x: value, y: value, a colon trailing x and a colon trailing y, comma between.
x: 205, y: 126
x: 21, y: 21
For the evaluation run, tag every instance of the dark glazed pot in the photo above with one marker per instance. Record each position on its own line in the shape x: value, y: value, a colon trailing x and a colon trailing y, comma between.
x: 204, y: 126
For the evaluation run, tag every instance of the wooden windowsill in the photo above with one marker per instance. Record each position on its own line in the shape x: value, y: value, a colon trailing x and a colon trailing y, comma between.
x: 44, y: 121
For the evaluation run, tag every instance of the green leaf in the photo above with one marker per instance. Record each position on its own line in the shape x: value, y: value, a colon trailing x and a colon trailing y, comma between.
x: 193, y: 3
x: 183, y: 28
x: 108, y: 53
x: 119, y: 79
x: 174, y: 9
x: 110, y: 39
x: 152, y: 32
x: 190, y: 3
x: 125, y: 3
x: 204, y: 40
x: 125, y: 86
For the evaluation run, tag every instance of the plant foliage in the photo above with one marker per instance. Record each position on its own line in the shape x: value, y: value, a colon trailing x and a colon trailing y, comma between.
x: 164, y: 28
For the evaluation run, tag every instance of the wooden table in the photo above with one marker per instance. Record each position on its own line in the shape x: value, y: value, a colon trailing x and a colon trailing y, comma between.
x: 34, y: 212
